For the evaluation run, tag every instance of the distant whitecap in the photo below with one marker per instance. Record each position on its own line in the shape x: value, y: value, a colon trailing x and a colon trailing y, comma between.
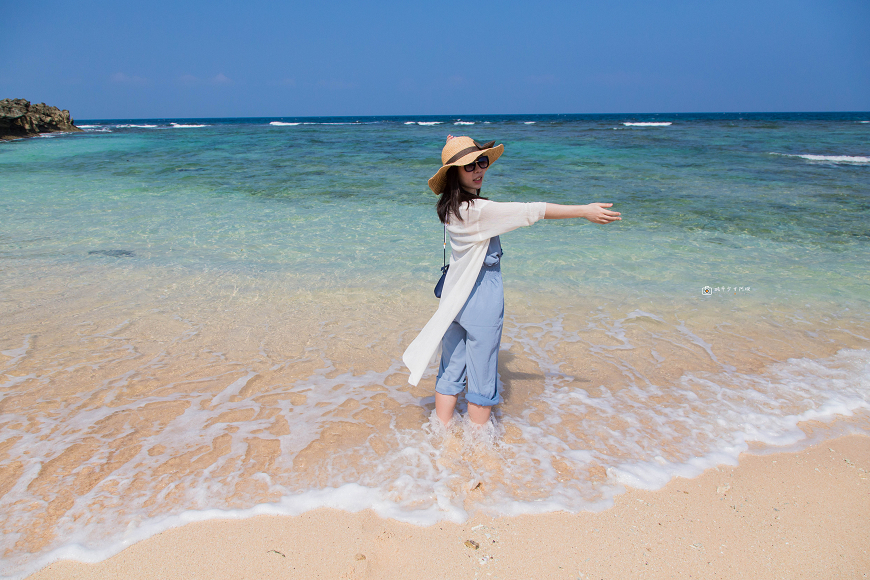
x: 663, y: 124
x: 428, y: 123
x: 136, y: 126
x: 280, y: 124
x: 528, y: 122
x: 181, y: 126
x: 464, y: 123
x: 847, y: 159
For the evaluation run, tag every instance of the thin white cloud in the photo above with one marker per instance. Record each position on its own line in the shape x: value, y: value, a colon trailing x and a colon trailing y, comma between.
x: 283, y: 82
x: 336, y: 85
x: 189, y: 80
x: 618, y: 79
x: 123, y: 79
x: 545, y: 80
x: 219, y: 79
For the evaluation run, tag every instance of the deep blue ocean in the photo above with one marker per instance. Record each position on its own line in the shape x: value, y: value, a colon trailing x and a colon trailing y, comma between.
x: 203, y: 317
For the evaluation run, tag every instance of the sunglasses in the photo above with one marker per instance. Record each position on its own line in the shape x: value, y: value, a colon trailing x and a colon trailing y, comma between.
x: 482, y: 162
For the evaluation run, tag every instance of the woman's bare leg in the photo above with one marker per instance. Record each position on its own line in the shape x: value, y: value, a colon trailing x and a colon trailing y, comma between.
x: 477, y: 413
x: 444, y: 405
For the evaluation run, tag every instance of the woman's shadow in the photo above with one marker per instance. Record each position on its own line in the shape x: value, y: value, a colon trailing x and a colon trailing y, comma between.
x: 522, y: 384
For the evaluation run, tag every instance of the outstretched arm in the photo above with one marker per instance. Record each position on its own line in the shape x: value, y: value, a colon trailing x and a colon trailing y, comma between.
x: 594, y: 212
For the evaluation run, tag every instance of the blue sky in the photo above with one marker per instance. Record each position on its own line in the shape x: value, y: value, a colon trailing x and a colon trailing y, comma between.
x: 117, y: 59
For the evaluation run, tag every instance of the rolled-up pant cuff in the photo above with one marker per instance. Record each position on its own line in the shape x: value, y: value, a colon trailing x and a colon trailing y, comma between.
x: 446, y: 387
x: 478, y: 399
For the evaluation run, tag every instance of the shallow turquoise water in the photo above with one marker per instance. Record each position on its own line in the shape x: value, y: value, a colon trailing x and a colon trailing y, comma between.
x: 706, y: 197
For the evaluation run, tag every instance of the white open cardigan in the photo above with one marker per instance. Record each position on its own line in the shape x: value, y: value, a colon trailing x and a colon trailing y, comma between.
x: 469, y: 239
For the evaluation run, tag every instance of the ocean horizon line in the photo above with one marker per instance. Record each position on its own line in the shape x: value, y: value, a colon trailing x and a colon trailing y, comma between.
x: 736, y: 115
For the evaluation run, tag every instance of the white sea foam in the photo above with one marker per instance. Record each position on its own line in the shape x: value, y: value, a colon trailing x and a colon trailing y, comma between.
x: 647, y: 124
x: 836, y: 159
x: 16, y: 380
x: 702, y: 419
x: 529, y: 122
x: 428, y: 123
x: 88, y: 126
x: 742, y: 415
x: 16, y: 354
x: 182, y: 126
x: 135, y: 126
x: 282, y: 124
x: 350, y: 497
x: 464, y: 123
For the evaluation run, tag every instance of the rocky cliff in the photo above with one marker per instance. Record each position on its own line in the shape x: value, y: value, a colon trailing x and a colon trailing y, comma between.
x: 18, y: 118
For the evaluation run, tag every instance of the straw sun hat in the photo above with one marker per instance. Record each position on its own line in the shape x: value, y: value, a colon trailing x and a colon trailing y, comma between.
x: 460, y: 151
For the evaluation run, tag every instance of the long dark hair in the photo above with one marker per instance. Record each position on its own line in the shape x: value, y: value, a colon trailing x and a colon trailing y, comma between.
x: 453, y: 197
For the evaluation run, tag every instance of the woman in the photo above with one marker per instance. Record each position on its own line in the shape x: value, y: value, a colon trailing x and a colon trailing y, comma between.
x: 470, y: 316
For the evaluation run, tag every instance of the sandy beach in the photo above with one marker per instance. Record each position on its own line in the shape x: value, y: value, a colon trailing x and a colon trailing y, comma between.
x: 786, y: 515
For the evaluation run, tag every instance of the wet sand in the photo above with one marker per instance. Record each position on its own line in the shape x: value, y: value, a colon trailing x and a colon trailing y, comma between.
x: 121, y: 413
x: 788, y: 515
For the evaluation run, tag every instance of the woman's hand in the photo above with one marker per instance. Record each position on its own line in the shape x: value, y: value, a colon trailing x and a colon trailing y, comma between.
x: 598, y: 215
x: 594, y: 212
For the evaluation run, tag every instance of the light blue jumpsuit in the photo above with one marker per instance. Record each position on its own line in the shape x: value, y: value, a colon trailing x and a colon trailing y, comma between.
x: 470, y: 346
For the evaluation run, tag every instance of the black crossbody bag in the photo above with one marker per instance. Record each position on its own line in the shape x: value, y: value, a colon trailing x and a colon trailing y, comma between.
x: 444, y: 268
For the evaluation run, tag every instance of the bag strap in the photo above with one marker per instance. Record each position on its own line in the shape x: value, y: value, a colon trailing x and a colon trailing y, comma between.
x: 444, y: 264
